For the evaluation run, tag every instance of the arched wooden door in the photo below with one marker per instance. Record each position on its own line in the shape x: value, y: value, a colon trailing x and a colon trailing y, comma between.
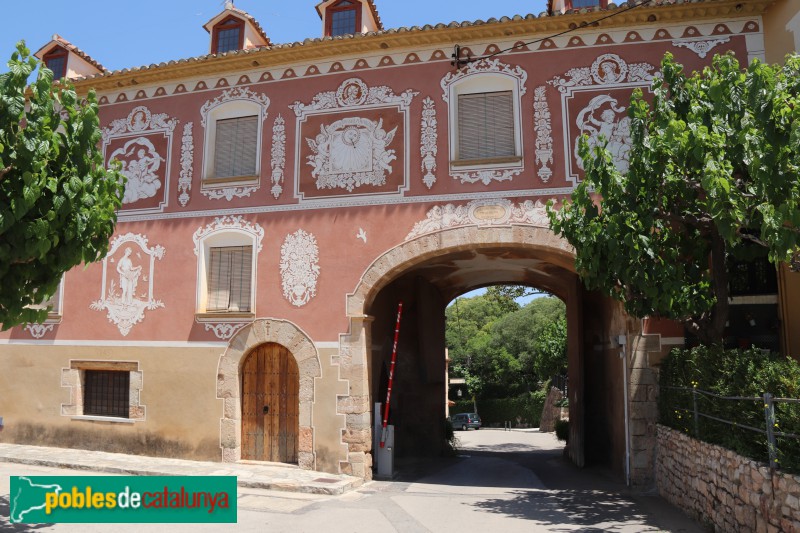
x: 270, y: 405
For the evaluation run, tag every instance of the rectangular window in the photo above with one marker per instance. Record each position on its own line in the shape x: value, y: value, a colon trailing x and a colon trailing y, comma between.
x: 486, y: 125
x: 58, y: 64
x: 577, y: 4
x: 228, y: 40
x: 106, y: 393
x: 343, y: 22
x: 230, y: 279
x: 235, y: 148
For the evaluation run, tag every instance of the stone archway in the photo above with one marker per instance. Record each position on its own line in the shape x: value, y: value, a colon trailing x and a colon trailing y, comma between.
x: 228, y: 383
x: 354, y: 346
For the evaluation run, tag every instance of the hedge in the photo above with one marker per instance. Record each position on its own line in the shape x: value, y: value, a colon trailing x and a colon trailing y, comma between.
x: 522, y: 411
x: 746, y: 373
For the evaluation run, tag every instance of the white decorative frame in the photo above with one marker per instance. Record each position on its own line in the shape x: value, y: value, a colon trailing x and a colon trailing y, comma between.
x: 485, y: 75
x: 232, y: 103
x: 593, y: 78
x: 187, y: 163
x: 224, y: 231
x: 499, y: 212
x: 342, y: 100
x: 136, y: 126
x: 278, y: 156
x: 429, y: 141
x: 299, y: 267
x: 123, y: 314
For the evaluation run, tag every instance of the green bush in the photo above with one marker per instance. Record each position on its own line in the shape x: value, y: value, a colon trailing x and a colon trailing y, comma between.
x: 524, y: 410
x: 747, y: 373
x: 562, y: 430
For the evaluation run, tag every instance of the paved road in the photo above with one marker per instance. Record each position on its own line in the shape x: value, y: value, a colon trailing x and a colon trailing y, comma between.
x: 502, y: 481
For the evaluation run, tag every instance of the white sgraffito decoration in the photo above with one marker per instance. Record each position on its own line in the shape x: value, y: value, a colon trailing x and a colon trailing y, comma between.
x: 299, y: 267
x: 38, y: 331
x: 229, y: 193
x: 484, y: 66
x: 187, y: 160
x: 224, y: 330
x: 702, y: 47
x: 429, y: 141
x: 543, y: 127
x: 500, y: 212
x: 127, y: 290
x: 353, y: 93
x: 604, y: 121
x: 228, y: 222
x: 233, y: 94
x: 278, y: 155
x: 139, y: 162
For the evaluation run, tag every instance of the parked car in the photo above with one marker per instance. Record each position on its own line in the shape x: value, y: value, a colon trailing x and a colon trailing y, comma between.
x: 464, y: 421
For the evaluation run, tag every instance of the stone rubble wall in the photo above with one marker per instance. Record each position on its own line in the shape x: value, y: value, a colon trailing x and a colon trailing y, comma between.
x: 723, y: 489
x: 551, y: 412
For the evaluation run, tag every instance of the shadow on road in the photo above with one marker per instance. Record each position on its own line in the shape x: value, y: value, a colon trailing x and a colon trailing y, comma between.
x: 595, y: 510
x: 8, y: 527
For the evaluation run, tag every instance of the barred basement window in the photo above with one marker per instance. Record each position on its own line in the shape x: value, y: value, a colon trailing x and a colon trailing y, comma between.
x: 106, y: 393
x: 236, y: 147
x: 230, y: 279
x: 486, y: 125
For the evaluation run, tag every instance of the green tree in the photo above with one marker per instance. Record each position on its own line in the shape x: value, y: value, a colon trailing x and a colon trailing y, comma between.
x: 550, y: 349
x: 57, y: 201
x: 713, y: 166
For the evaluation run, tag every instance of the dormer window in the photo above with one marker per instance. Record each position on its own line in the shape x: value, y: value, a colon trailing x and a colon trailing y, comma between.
x: 228, y: 35
x: 344, y: 18
x: 56, y: 60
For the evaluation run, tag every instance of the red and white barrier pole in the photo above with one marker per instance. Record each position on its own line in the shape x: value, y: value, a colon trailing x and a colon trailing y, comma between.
x: 391, y: 374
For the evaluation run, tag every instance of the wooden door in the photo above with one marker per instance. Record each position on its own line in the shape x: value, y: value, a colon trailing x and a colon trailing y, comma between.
x: 270, y: 405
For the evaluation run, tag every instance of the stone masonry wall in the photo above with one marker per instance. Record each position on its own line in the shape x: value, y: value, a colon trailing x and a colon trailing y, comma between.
x: 721, y: 488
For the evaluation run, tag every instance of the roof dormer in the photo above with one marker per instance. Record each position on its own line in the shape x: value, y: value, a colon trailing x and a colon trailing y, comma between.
x: 67, y: 60
x: 347, y: 17
x: 562, y: 6
x: 234, y: 29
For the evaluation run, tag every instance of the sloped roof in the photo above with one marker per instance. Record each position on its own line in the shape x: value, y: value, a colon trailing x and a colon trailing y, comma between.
x: 60, y: 41
x: 578, y: 16
x: 372, y: 7
x: 230, y: 8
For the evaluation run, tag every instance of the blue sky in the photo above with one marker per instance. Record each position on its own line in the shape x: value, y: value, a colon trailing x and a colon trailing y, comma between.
x: 118, y: 36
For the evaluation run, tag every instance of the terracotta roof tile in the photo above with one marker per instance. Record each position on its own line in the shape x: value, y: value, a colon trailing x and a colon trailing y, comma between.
x: 75, y: 50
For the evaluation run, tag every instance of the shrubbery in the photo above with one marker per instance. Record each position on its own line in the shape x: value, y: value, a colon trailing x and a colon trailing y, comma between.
x: 749, y: 373
x: 524, y: 410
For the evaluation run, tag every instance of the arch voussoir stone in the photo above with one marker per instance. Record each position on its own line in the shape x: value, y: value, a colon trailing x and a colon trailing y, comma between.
x: 300, y: 345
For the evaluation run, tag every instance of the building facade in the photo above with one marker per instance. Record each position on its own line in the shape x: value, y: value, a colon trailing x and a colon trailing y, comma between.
x: 283, y: 199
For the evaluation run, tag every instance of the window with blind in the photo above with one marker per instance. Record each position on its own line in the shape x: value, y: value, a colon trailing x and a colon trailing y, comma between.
x: 236, y: 147
x: 106, y: 393
x: 229, y: 279
x: 486, y: 125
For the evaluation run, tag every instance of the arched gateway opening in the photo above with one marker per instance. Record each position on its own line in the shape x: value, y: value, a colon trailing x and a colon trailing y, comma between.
x: 428, y: 271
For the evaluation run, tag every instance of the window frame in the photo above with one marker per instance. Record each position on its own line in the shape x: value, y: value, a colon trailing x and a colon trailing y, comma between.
x: 74, y: 379
x: 228, y: 23
x: 602, y: 4
x: 223, y: 238
x: 57, y: 52
x: 337, y: 7
x: 477, y: 83
x: 235, y: 108
x: 106, y: 381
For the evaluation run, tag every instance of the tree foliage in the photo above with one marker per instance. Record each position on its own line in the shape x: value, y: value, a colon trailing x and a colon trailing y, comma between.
x: 57, y: 201
x: 713, y: 166
x: 491, y: 342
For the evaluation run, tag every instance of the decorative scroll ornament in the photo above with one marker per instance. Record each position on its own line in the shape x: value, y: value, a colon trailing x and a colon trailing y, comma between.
x: 487, y: 176
x: 235, y: 93
x: 299, y: 267
x: 544, y: 134
x: 481, y: 67
x: 224, y: 330
x: 121, y: 294
x: 226, y: 223
x: 350, y: 153
x: 278, y: 155
x: 229, y: 193
x: 187, y: 160
x: 139, y: 120
x: 701, y: 48
x: 38, y: 331
x: 429, y: 141
x: 500, y: 212
x: 354, y: 93
x: 607, y: 69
